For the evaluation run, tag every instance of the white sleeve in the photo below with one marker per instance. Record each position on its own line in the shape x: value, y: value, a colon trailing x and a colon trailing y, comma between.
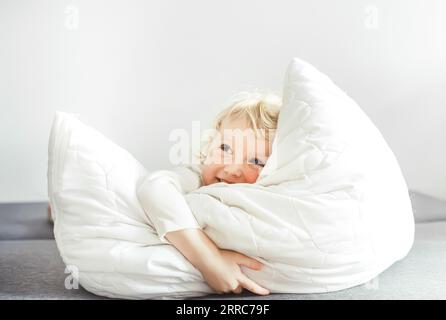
x: 161, y: 195
x: 189, y: 177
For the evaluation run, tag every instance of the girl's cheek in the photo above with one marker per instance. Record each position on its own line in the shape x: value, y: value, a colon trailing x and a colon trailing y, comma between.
x: 207, y: 174
x: 251, y: 175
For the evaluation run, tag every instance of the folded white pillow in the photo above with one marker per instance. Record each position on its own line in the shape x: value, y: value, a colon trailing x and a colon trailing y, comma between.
x: 331, y: 209
x: 100, y: 228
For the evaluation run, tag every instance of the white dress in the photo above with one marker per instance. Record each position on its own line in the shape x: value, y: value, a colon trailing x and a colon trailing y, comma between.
x: 161, y: 194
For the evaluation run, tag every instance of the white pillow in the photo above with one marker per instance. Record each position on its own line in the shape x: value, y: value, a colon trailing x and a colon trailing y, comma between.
x: 331, y: 209
x: 100, y: 228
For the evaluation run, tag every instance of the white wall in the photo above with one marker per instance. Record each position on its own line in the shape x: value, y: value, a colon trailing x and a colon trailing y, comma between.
x: 137, y: 69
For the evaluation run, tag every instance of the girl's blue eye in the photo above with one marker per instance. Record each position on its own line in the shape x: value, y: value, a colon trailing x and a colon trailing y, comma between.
x: 257, y: 162
x: 225, y: 147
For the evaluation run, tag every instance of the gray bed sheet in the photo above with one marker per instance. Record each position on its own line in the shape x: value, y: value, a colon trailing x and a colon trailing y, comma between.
x: 31, y: 267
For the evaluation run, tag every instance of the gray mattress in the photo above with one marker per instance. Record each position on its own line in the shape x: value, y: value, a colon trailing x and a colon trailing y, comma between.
x: 31, y: 268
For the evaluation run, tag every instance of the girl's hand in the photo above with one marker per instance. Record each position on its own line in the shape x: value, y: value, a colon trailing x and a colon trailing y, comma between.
x: 223, y: 274
x: 219, y: 267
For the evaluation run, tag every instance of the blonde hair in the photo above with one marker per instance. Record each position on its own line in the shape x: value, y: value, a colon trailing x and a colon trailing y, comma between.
x: 261, y: 110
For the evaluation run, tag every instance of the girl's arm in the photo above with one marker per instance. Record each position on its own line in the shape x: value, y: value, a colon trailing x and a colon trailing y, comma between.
x: 161, y: 196
x: 220, y: 268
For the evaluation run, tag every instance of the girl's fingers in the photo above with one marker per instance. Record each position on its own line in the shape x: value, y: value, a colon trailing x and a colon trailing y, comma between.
x: 249, y: 262
x: 238, y: 290
x: 247, y: 283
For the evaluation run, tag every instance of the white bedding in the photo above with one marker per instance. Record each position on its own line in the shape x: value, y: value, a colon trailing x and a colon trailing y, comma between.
x: 331, y: 209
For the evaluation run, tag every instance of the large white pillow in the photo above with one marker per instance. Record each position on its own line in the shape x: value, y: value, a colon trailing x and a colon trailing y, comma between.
x: 331, y: 209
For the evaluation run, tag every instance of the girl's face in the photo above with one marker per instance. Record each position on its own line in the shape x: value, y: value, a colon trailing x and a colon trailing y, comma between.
x: 235, y: 155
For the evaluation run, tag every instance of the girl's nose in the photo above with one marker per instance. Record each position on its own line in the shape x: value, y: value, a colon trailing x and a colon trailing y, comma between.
x: 233, y: 170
